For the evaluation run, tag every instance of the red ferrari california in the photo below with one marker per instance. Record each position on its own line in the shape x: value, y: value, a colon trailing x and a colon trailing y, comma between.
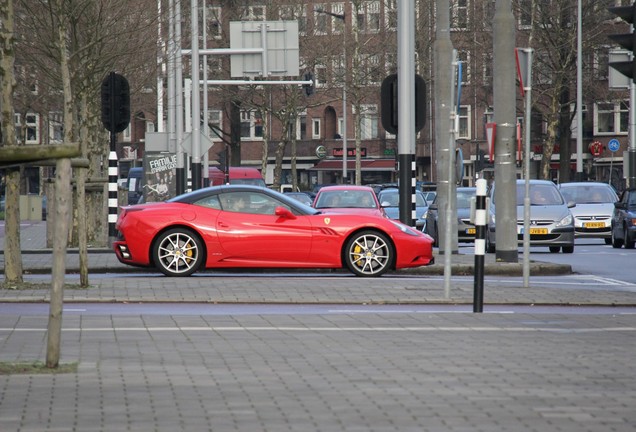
x: 238, y: 226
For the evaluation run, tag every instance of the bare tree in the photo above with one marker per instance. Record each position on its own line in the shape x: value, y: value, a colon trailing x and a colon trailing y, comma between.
x: 12, y: 250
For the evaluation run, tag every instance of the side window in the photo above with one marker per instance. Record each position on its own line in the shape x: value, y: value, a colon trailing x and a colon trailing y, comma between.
x: 210, y: 202
x: 249, y: 202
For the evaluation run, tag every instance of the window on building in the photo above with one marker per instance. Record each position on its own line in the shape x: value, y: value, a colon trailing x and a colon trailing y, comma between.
x: 339, y: 71
x: 464, y: 126
x: 251, y: 125
x: 337, y: 24
x: 301, y: 126
x: 611, y: 118
x: 32, y: 128
x: 56, y: 127
x: 253, y: 13
x: 321, y: 19
x: 368, y: 17
x: 315, y: 129
x: 459, y: 15
x: 464, y: 57
x: 320, y: 75
x: 215, y: 117
x: 390, y: 14
x: 368, y: 121
x: 213, y: 18
x: 294, y: 13
x: 126, y: 135
x: 373, y: 71
x: 574, y: 118
x: 524, y: 15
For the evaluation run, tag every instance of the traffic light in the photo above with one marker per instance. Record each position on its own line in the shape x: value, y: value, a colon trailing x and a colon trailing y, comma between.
x: 389, y: 103
x: 115, y: 103
x: 626, y: 40
x: 309, y: 88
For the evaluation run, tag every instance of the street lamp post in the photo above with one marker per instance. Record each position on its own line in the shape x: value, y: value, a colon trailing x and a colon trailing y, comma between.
x: 342, y: 17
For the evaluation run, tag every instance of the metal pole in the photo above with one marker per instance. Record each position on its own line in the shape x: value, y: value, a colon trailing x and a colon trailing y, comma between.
x: 480, y: 244
x: 344, y: 103
x: 196, y: 98
x: 505, y: 142
x: 526, y: 200
x: 450, y: 186
x: 406, y: 108
x: 206, y: 113
x: 579, y: 96
x: 180, y: 172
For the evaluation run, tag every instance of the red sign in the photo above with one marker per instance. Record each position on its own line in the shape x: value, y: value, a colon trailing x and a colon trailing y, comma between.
x: 351, y: 152
x: 596, y: 148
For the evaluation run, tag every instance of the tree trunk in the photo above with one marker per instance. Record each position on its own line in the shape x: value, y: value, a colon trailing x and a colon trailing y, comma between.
x: 58, y: 270
x: 12, y: 247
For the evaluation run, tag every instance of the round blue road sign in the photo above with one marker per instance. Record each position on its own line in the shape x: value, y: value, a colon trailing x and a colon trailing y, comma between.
x: 613, y: 145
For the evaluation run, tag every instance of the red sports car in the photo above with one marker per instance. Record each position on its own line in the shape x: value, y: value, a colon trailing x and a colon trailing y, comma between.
x: 237, y: 226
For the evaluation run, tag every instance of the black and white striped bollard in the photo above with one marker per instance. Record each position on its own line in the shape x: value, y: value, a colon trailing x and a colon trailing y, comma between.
x: 480, y: 244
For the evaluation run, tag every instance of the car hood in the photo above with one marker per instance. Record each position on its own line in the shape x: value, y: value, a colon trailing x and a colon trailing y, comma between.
x: 593, y: 209
x: 555, y: 213
x: 356, y: 211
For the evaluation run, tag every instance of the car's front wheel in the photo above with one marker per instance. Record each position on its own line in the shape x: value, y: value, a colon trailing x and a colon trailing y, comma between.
x: 568, y: 249
x: 178, y: 252
x: 369, y: 253
x: 629, y: 241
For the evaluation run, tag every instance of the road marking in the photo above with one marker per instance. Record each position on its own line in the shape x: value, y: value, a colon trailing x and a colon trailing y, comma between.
x: 335, y: 329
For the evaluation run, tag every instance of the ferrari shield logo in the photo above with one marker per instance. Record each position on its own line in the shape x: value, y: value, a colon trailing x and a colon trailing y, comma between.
x: 327, y: 220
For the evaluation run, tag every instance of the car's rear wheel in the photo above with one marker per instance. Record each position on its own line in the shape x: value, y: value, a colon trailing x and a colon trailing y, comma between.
x: 178, y: 252
x: 555, y: 249
x: 629, y: 242
x: 369, y: 253
x: 568, y: 249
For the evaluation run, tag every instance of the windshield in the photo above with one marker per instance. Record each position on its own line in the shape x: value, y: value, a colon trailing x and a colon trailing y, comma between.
x: 393, y: 198
x: 540, y: 194
x: 345, y: 199
x: 592, y: 194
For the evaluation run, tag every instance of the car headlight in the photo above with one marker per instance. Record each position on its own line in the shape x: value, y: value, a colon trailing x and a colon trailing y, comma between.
x: 404, y: 228
x: 565, y: 221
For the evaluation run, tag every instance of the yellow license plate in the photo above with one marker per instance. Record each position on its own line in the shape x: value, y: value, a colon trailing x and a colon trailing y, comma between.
x: 594, y: 225
x: 470, y: 231
x: 538, y: 230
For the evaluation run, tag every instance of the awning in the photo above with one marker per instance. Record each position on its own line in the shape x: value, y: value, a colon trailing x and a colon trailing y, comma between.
x: 365, y: 165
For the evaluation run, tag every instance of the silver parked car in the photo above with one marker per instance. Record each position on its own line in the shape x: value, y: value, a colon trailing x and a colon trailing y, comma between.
x: 551, y: 222
x: 594, y: 208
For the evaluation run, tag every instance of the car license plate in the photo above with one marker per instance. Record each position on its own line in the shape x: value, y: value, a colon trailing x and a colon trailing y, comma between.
x: 540, y: 231
x: 594, y: 225
x: 470, y: 231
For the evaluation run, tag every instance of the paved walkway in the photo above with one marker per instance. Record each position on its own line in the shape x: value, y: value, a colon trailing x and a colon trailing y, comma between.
x: 217, y: 366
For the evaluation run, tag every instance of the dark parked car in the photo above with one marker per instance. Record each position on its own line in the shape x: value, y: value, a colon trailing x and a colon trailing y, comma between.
x: 624, y: 220
x: 465, y: 228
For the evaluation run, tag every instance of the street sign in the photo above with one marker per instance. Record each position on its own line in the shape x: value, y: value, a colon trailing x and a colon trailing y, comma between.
x: 613, y: 145
x: 274, y: 45
x: 491, y: 130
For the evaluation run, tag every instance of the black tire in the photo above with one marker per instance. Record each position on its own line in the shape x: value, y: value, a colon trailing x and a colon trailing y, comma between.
x: 608, y: 241
x: 555, y: 249
x: 178, y: 252
x: 490, y: 248
x: 629, y: 242
x: 568, y: 249
x: 616, y: 243
x: 369, y: 253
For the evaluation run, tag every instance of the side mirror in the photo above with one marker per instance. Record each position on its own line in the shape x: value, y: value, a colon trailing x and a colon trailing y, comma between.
x: 571, y: 204
x: 284, y: 212
x: 620, y: 205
